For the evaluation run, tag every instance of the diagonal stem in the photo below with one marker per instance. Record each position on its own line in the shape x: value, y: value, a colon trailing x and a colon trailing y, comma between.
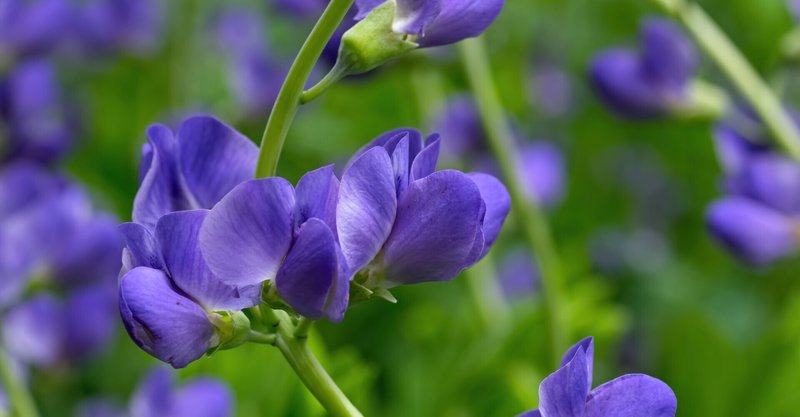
x: 288, y: 100
x: 20, y: 399
x: 534, y: 224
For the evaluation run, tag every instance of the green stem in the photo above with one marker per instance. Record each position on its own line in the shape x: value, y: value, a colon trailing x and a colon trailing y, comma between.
x: 706, y: 101
x: 302, y: 328
x: 20, y: 400
x: 336, y: 73
x: 532, y: 219
x: 288, y: 100
x: 310, y: 371
x: 735, y: 66
x: 261, y: 338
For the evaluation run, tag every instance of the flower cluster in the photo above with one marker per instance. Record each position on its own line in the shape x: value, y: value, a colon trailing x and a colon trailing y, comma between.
x: 758, y: 220
x: 651, y: 83
x: 59, y: 261
x: 568, y: 391
x: 157, y: 396
x: 391, y: 219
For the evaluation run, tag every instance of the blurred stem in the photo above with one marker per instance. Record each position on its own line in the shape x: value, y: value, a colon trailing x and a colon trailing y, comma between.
x: 288, y: 100
x: 706, y: 101
x: 305, y: 364
x: 428, y: 85
x: 19, y: 399
x: 735, y: 66
x: 487, y: 294
x: 790, y: 44
x: 532, y: 219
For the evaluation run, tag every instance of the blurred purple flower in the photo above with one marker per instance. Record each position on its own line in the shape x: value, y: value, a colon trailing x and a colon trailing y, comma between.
x: 307, y: 9
x: 794, y: 8
x: 541, y: 163
x: 438, y: 22
x: 168, y: 297
x: 112, y: 25
x: 157, y: 396
x: 568, y: 391
x: 651, y: 83
x: 254, y: 75
x: 551, y: 89
x: 190, y: 170
x: 33, y: 27
x: 31, y: 111
x: 518, y: 274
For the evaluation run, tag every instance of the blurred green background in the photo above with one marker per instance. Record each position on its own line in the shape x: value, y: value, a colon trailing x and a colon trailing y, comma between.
x: 673, y: 305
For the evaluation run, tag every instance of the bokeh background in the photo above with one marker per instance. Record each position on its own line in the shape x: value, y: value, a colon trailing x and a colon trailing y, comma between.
x: 645, y: 278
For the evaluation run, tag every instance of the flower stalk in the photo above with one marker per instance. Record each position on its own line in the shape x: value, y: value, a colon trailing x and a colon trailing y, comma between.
x: 288, y: 100
x: 20, y: 400
x: 534, y: 224
x: 735, y: 66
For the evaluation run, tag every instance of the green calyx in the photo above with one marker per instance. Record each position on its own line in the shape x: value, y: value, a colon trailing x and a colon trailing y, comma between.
x: 233, y: 329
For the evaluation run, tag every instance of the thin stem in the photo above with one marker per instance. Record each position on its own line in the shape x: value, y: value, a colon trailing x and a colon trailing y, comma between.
x: 261, y: 338
x: 288, y: 100
x: 20, y: 400
x: 735, y: 66
x: 302, y: 328
x: 534, y: 224
x: 336, y: 73
x: 487, y: 294
x: 310, y: 371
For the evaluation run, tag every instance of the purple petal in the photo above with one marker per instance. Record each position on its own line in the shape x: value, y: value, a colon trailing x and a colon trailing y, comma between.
x: 310, y: 269
x: 366, y: 6
x: 92, y: 254
x: 460, y: 19
x: 532, y: 413
x: 668, y: 56
x: 162, y: 322
x: 401, y: 165
x: 153, y: 396
x: 733, y: 149
x: 425, y: 162
x: 543, y: 172
x: 620, y: 83
x: 413, y: 16
x: 389, y: 141
x: 33, y: 331
x: 461, y: 129
x: 367, y: 207
x: 498, y: 203
x: 317, y: 194
x: 141, y: 246
x: 753, y: 232
x: 214, y: 158
x: 563, y: 393
x: 160, y: 191
x: 202, y: 398
x: 775, y: 181
x: 587, y: 345
x: 177, y: 235
x: 248, y: 233
x: 90, y: 319
x: 632, y: 395
x: 438, y: 219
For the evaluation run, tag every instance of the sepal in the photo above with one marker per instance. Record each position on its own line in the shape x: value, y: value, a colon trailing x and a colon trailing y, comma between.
x: 233, y: 329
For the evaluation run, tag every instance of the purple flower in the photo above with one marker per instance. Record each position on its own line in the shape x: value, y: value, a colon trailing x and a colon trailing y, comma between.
x: 31, y: 110
x: 172, y: 305
x: 190, y: 170
x: 551, y: 89
x: 33, y: 27
x: 518, y: 274
x: 157, y: 396
x: 107, y: 25
x: 541, y: 163
x: 254, y: 75
x: 438, y: 22
x: 266, y: 230
x: 651, y: 83
x: 753, y: 232
x: 568, y: 391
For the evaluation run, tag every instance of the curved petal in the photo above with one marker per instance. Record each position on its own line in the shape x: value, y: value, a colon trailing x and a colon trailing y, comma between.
x: 389, y: 141
x: 33, y: 331
x: 632, y: 395
x: 92, y: 254
x: 177, y: 235
x: 498, y: 204
x: 202, y: 397
x: 161, y: 321
x: 460, y: 19
x: 142, y: 246
x: 413, y: 16
x: 339, y: 294
x: 563, y: 393
x: 317, y: 193
x: 775, y: 181
x: 160, y: 191
x: 214, y: 158
x: 248, y: 233
x: 438, y: 218
x: 751, y: 231
x: 401, y: 165
x: 587, y: 345
x: 367, y: 207
x: 366, y: 6
x: 307, y: 275
x: 618, y: 80
x: 668, y: 55
x: 425, y: 162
